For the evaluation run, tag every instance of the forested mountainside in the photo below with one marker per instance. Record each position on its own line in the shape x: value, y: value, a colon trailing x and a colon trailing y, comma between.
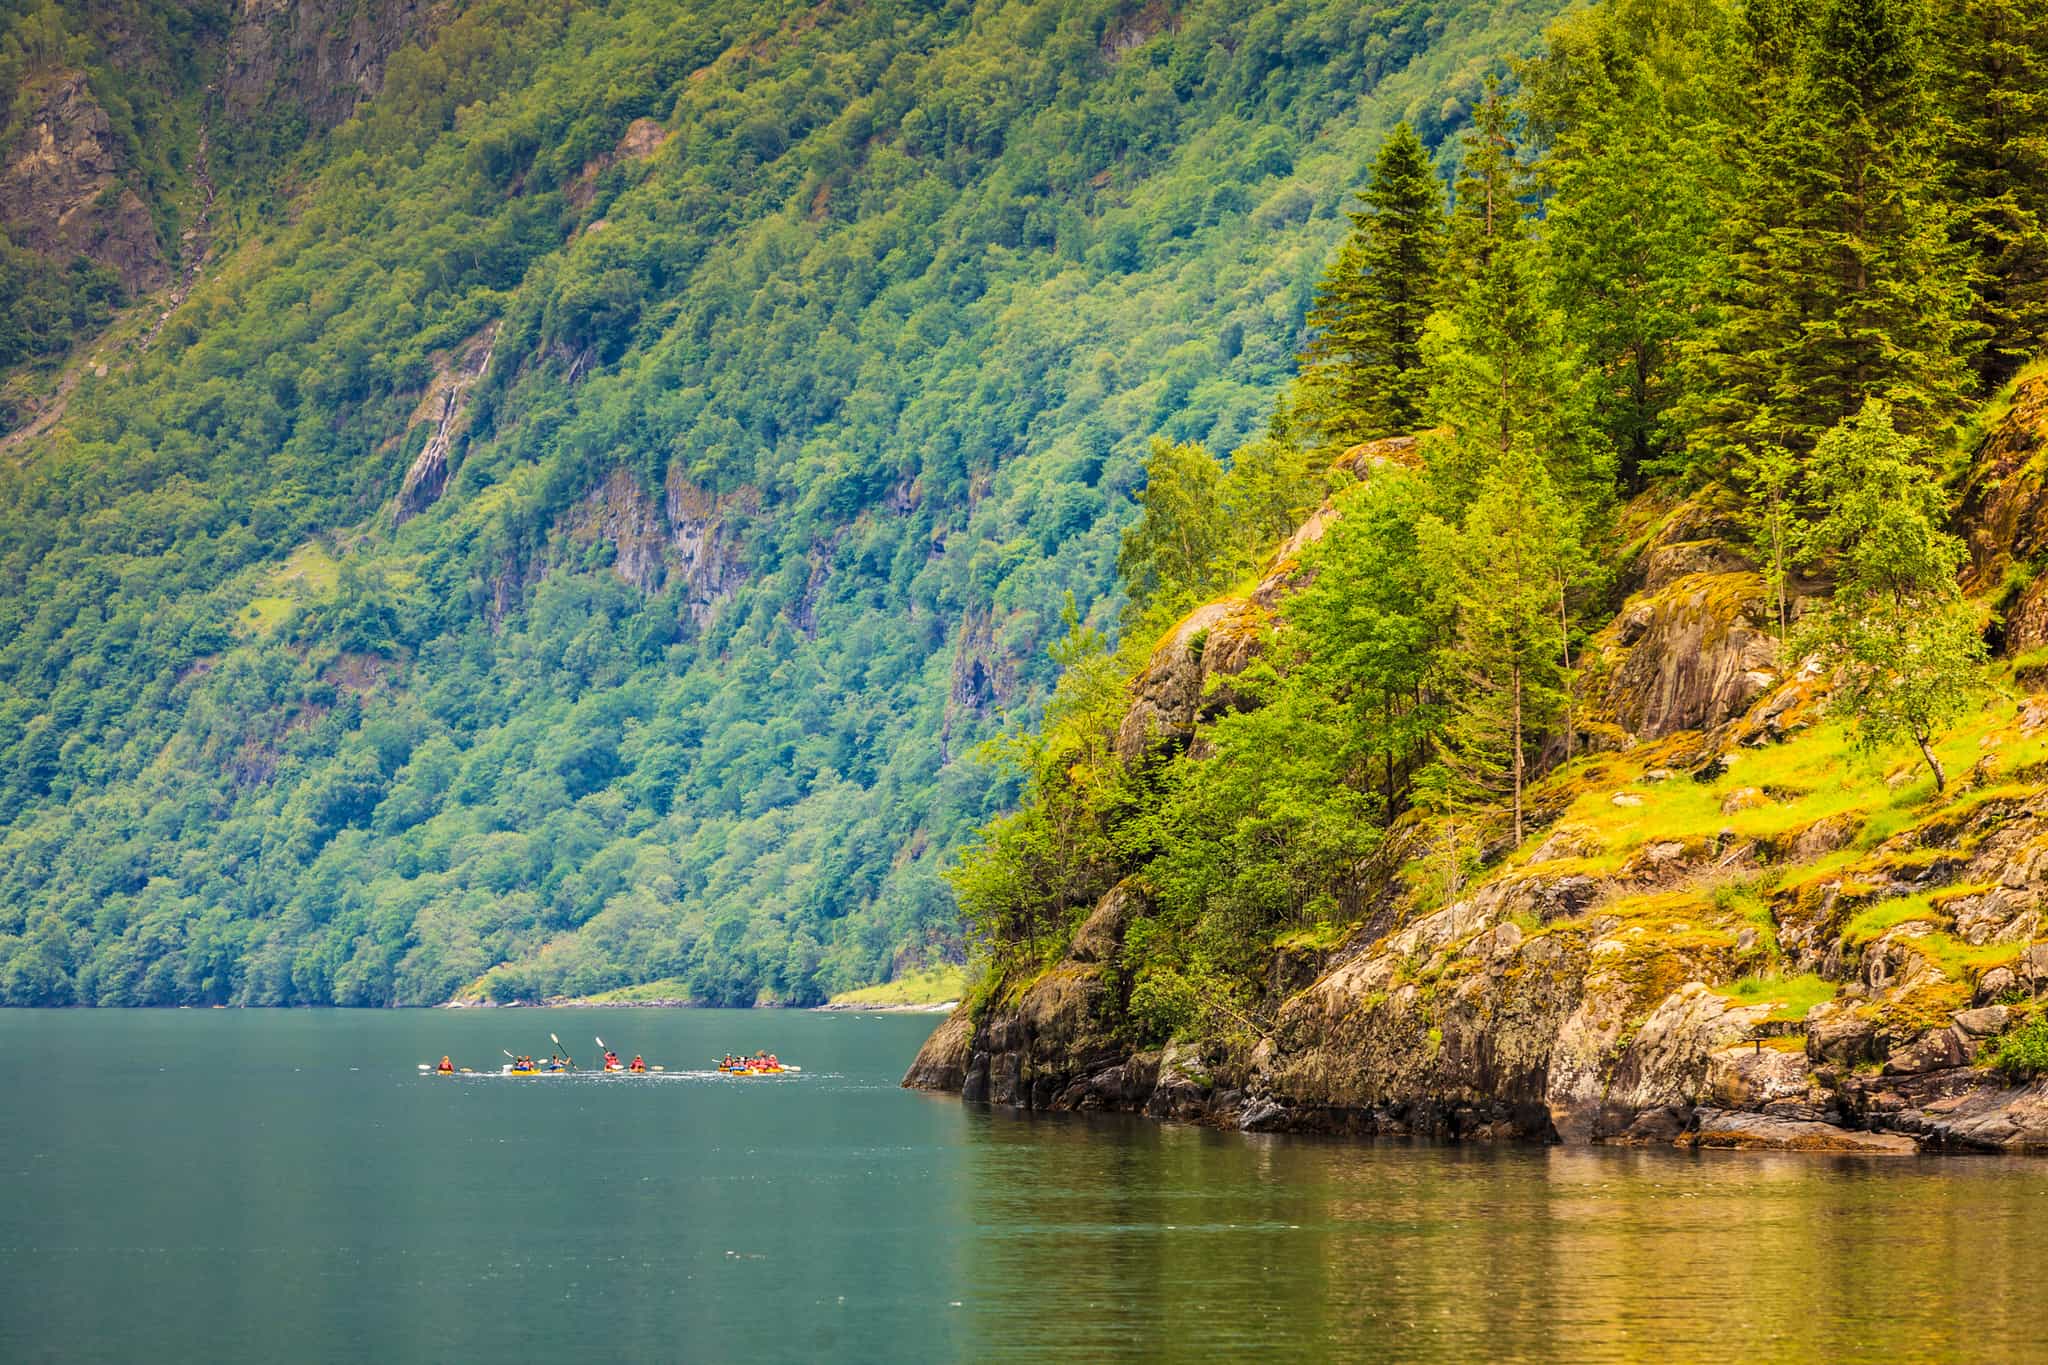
x: 536, y: 498
x: 1642, y: 736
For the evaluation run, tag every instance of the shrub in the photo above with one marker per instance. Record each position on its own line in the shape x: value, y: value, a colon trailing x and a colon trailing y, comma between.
x: 2022, y: 1054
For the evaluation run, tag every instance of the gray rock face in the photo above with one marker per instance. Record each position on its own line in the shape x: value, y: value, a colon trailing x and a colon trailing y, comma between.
x: 323, y: 57
x: 61, y: 191
x: 941, y: 1064
x: 1212, y: 643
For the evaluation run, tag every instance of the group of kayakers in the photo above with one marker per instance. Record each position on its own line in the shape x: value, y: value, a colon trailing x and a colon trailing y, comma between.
x: 523, y: 1063
x: 555, y: 1062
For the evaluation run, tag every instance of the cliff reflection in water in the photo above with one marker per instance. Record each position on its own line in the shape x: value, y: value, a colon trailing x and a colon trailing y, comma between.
x: 1106, y: 1237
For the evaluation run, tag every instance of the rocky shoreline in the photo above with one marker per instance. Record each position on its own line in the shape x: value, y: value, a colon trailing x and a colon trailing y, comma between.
x: 1722, y: 932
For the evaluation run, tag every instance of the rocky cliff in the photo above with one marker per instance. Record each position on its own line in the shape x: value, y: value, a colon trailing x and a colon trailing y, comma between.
x: 319, y: 57
x: 64, y: 190
x: 1730, y: 929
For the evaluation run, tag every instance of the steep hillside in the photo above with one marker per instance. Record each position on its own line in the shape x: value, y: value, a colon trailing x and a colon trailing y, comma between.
x: 1729, y: 926
x: 615, y: 460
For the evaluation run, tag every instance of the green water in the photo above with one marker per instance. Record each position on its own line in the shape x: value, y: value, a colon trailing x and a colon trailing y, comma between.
x: 231, y: 1186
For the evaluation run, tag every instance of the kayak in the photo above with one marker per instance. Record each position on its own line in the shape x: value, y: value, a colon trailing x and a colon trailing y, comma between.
x: 532, y: 1071
x: 757, y: 1070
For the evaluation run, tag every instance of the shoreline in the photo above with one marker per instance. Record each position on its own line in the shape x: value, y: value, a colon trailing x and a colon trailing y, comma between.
x: 936, y: 1007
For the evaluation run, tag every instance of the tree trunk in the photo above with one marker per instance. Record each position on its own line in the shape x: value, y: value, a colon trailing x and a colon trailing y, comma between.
x: 1927, y: 752
x: 1564, y: 627
x: 1518, y: 754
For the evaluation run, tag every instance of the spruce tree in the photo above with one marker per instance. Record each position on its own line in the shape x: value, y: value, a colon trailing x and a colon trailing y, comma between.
x: 1486, y: 198
x: 1622, y: 105
x: 1505, y: 573
x: 1362, y: 372
x: 1506, y: 385
x: 1993, y: 96
x: 1839, y: 280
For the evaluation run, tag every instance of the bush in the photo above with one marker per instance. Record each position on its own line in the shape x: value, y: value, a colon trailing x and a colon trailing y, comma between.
x: 2022, y: 1054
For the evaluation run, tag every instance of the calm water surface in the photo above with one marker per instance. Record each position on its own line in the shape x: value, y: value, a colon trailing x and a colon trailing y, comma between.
x: 231, y: 1186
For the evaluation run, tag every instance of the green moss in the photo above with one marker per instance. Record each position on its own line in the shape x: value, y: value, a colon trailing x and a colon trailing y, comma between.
x: 1869, y: 924
x: 1318, y: 937
x: 1790, y: 997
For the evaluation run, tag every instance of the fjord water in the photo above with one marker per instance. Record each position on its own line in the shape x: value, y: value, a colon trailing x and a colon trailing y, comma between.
x: 242, y: 1186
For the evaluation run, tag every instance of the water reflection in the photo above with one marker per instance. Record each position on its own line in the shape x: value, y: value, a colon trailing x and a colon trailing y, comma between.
x: 1121, y: 1238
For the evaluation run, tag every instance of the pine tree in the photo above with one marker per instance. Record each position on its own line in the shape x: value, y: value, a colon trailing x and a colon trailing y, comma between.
x: 1486, y: 199
x: 1622, y: 105
x: 1839, y: 278
x: 1508, y: 387
x: 1362, y: 372
x: 1993, y: 96
x: 1505, y: 573
x: 1903, y: 642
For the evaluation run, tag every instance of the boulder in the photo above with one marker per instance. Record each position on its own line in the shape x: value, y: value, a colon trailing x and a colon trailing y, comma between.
x: 1748, y: 1076
x: 1768, y: 1132
x: 1173, y: 692
x: 941, y: 1064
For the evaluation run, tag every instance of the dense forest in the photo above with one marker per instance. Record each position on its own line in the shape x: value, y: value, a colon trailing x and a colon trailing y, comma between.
x: 1781, y: 262
x: 600, y: 489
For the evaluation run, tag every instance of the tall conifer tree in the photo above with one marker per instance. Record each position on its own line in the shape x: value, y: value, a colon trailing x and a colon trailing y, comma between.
x: 1506, y: 384
x: 1839, y: 278
x: 1363, y: 369
x: 1622, y: 105
x: 1506, y: 573
x: 1486, y: 199
x: 1993, y: 94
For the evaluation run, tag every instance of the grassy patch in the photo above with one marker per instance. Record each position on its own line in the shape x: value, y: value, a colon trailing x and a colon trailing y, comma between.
x: 1789, y: 997
x: 1869, y: 924
x: 1318, y: 937
x: 932, y: 986
x: 265, y: 616
x: 311, y: 568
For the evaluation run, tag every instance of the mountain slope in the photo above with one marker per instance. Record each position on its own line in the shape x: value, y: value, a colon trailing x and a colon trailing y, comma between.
x: 573, y: 539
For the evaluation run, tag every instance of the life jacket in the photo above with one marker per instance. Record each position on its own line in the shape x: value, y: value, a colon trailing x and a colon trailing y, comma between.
x: 639, y: 1065
x: 446, y: 1065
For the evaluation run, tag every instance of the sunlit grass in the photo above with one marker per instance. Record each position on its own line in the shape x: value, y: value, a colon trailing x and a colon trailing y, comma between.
x: 932, y: 986
x: 1789, y: 997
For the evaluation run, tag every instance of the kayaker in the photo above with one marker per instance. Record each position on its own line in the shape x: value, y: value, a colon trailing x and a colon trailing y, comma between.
x: 638, y: 1063
x: 771, y: 1060
x: 611, y: 1060
x: 447, y: 1068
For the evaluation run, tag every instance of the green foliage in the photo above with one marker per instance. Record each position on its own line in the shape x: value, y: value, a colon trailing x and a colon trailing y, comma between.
x: 1362, y: 372
x: 2022, y: 1053
x: 1508, y: 386
x: 1908, y: 647
x: 795, y: 435
x: 1509, y: 573
x: 1991, y: 91
x: 1624, y: 103
x: 1838, y: 278
x: 43, y: 303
